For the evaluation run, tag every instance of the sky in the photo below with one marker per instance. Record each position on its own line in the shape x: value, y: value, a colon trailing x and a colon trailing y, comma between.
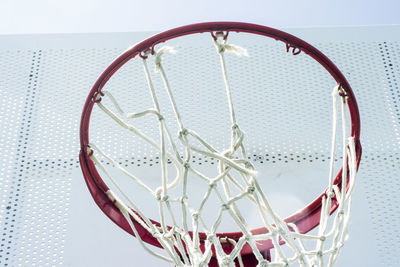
x: 77, y: 16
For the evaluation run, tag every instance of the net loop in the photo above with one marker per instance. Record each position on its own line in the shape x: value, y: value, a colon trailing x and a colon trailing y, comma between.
x: 163, y: 50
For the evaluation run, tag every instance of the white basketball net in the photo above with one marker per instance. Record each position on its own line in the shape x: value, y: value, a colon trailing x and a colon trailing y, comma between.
x: 332, y: 230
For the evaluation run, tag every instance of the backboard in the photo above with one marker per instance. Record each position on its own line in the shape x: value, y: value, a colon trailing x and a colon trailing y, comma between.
x: 48, y: 218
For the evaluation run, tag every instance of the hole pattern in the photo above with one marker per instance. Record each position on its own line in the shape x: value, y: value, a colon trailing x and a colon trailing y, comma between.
x: 18, y: 89
x: 390, y: 53
x: 381, y: 184
x: 40, y: 112
x: 36, y: 159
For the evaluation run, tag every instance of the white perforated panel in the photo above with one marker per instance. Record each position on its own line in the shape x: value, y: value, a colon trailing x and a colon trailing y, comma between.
x: 47, y: 217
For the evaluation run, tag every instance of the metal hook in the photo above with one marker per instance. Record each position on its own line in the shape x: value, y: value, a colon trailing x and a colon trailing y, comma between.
x: 342, y: 92
x: 219, y: 34
x: 295, y: 50
x: 97, y: 96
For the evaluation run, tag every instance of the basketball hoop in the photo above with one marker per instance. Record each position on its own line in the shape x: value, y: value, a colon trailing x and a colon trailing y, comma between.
x: 187, y: 239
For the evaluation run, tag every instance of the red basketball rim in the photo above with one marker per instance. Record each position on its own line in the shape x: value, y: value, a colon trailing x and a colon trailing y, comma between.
x: 305, y: 219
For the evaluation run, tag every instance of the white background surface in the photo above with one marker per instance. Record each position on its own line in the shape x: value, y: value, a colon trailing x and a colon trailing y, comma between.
x: 79, y: 243
x: 57, y: 16
x: 58, y: 222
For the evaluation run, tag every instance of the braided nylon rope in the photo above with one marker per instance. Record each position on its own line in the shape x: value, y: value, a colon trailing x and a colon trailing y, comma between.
x: 184, y: 249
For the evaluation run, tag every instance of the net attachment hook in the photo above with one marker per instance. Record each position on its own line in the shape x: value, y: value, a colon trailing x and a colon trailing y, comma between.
x: 96, y: 98
x: 342, y: 92
x: 89, y: 151
x: 145, y: 53
x: 219, y: 34
x: 295, y: 50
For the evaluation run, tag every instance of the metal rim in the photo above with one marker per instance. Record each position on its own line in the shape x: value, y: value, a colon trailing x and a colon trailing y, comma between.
x: 307, y: 218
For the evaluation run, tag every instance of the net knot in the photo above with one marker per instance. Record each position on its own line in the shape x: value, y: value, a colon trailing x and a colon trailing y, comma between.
x: 213, y: 184
x: 251, y: 189
x: 222, y: 47
x: 225, y: 207
x: 211, y: 237
x: 322, y: 238
x: 282, y: 233
x: 183, y: 132
x: 225, y: 261
x: 186, y: 165
x: 248, y: 165
x: 274, y: 232
x: 330, y: 194
x: 158, y: 235
x: 158, y: 193
x: 195, y: 215
x: 162, y: 235
x: 171, y: 232
x: 183, y: 199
